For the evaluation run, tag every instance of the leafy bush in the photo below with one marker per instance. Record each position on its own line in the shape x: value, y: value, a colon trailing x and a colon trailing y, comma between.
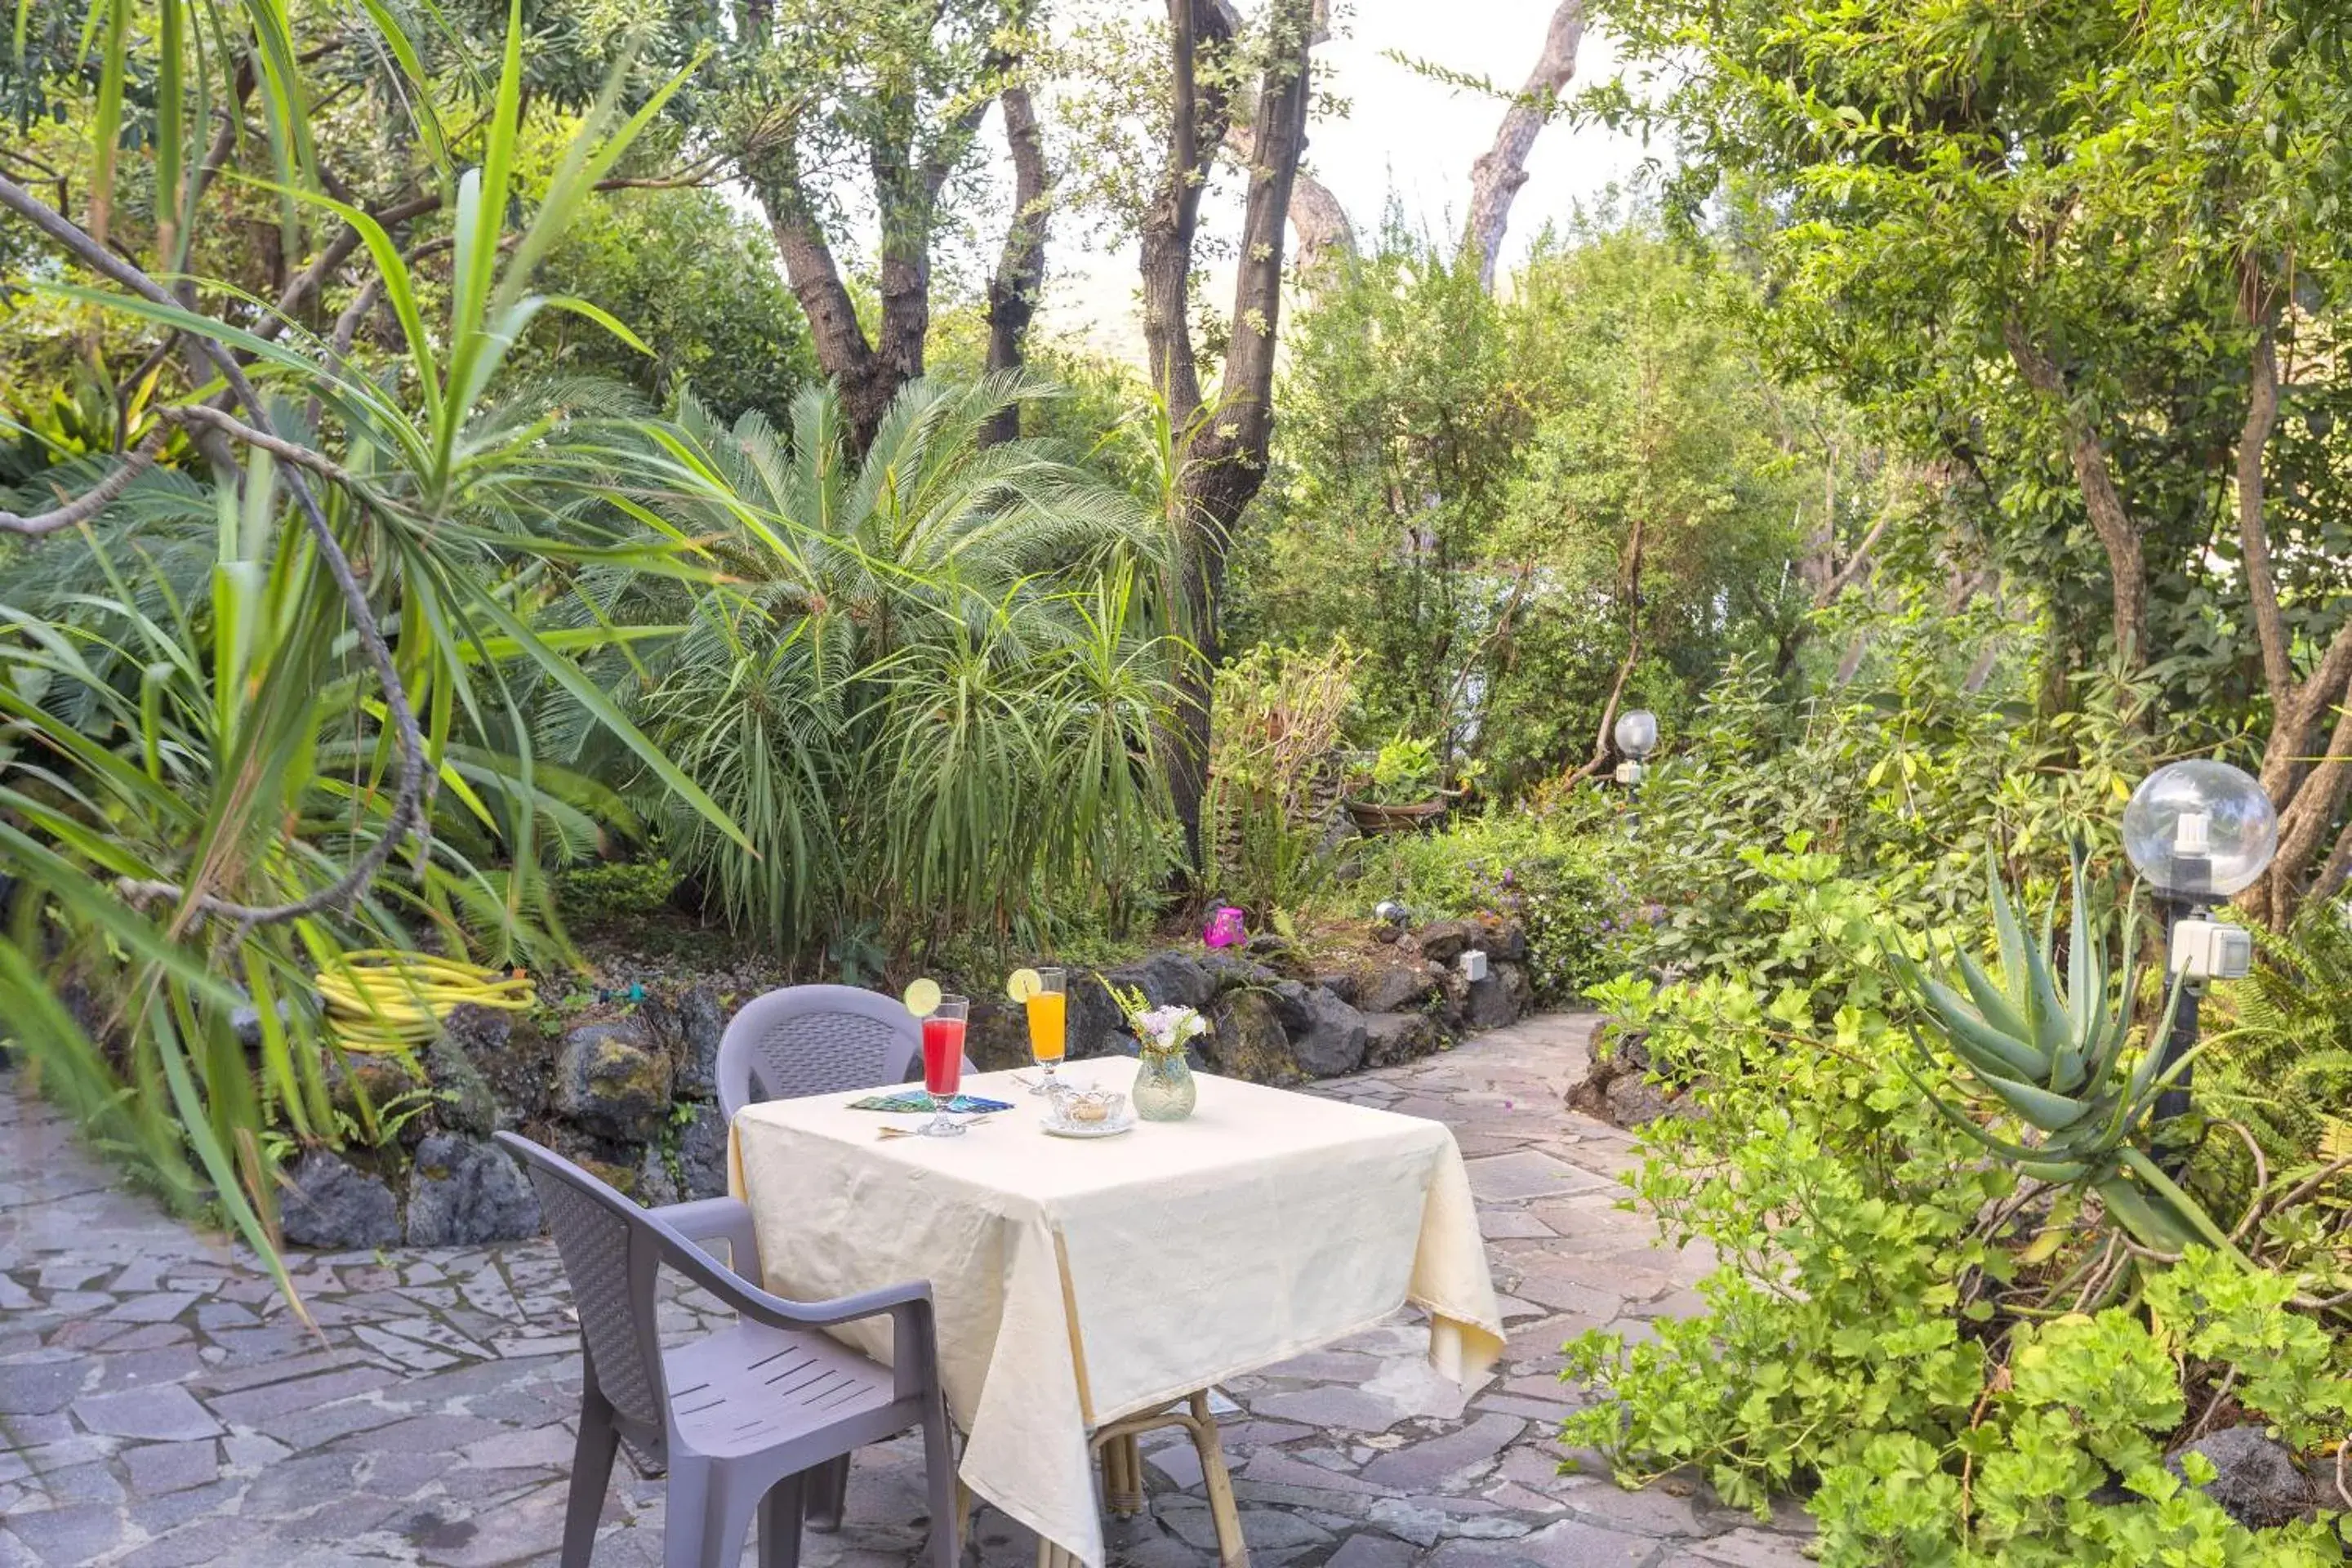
x: 2059, y: 1459
x: 697, y: 283
x: 1905, y: 783
x: 1843, y: 1211
x: 1403, y: 771
x: 1882, y: 1322
x: 1273, y: 771
x: 614, y: 892
x: 1539, y: 870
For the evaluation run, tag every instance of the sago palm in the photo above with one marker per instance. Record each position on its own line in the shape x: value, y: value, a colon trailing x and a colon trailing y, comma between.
x: 926, y: 687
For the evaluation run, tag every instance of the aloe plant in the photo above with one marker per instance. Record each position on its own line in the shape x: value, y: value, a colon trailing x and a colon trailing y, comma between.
x: 2058, y: 1056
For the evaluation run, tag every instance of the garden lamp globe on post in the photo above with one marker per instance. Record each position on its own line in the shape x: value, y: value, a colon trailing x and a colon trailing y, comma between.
x: 1637, y: 737
x: 2201, y: 832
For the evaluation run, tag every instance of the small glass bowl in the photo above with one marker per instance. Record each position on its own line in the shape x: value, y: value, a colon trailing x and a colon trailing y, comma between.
x: 1087, y: 1107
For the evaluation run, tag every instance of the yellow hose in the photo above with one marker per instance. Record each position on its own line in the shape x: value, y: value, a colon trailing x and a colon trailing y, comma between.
x: 382, y: 1002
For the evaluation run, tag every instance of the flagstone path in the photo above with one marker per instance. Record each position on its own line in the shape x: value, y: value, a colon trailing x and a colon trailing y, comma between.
x: 159, y: 1406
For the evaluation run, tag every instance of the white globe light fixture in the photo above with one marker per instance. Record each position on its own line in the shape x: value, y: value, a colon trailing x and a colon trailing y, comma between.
x: 1637, y: 733
x: 1637, y: 737
x: 2199, y: 832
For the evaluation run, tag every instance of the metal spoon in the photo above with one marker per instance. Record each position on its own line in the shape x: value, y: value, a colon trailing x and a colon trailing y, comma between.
x: 918, y: 1133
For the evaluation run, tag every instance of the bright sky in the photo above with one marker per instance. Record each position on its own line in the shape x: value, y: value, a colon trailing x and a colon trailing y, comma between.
x: 1402, y: 133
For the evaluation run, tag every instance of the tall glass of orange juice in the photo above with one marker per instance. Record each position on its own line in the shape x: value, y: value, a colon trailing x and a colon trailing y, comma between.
x: 1049, y: 1015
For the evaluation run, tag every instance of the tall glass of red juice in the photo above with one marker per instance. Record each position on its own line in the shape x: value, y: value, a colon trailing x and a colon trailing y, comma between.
x: 943, y: 1062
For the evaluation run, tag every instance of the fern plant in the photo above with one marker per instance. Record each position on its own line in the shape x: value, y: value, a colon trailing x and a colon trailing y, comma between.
x: 2282, y: 1065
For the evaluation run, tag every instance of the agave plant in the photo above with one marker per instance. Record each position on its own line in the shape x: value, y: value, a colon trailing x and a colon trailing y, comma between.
x: 2059, y: 1058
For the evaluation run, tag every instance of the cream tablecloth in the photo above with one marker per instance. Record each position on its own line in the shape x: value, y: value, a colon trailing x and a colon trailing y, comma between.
x: 1080, y: 1281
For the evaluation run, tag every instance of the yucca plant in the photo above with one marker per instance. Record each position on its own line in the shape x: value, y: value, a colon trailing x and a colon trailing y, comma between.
x: 2058, y: 1058
x: 209, y: 770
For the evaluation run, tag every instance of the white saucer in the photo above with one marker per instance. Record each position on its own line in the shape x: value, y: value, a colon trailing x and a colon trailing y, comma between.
x: 1054, y: 1128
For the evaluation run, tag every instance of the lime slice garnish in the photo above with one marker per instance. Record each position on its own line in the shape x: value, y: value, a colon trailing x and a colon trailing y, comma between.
x: 1023, y: 984
x: 922, y: 997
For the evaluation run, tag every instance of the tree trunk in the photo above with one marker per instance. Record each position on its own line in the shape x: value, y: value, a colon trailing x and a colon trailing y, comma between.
x: 1021, y: 267
x: 1221, y: 458
x: 841, y: 350
x: 2094, y: 476
x: 2308, y: 798
x: 1502, y: 169
x: 867, y: 375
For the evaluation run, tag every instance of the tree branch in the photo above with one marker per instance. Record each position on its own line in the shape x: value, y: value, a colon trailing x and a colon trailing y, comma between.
x: 1848, y: 573
x: 2295, y: 723
x: 300, y: 288
x: 2254, y: 536
x: 1632, y: 577
x: 1318, y: 222
x: 2305, y: 823
x: 2095, y: 477
x: 1502, y: 169
x: 1601, y: 739
x: 278, y: 446
x: 81, y: 508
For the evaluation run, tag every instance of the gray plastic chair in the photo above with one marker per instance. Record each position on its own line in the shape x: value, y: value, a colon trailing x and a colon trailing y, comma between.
x: 739, y: 1416
x: 818, y: 1039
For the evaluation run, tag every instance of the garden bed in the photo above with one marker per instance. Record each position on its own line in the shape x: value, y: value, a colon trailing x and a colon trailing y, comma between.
x: 618, y: 1069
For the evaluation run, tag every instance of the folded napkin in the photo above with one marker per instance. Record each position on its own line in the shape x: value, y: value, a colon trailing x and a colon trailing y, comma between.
x: 916, y: 1102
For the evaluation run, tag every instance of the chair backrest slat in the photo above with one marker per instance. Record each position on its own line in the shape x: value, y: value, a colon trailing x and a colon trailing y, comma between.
x: 613, y: 1257
x: 816, y: 1039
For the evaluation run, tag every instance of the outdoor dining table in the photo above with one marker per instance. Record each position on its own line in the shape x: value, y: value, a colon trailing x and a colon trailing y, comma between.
x: 1081, y: 1282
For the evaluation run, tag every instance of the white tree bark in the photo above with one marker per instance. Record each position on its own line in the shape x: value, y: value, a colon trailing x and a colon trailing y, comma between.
x: 1502, y: 169
x: 1318, y: 222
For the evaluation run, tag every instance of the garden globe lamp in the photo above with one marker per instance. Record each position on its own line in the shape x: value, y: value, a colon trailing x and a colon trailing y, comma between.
x: 1637, y: 737
x: 2199, y: 832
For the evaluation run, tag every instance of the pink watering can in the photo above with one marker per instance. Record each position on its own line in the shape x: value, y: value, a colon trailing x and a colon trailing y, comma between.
x: 1224, y: 927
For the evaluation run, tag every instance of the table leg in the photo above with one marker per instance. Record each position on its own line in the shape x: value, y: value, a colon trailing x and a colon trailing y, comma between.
x: 1233, y: 1551
x: 1123, y: 1476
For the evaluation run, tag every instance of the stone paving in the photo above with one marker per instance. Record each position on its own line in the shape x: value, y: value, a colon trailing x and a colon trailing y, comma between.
x: 159, y: 1406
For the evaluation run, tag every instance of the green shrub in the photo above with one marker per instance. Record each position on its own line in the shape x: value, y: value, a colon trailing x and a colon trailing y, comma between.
x: 1903, y: 785
x: 1274, y: 773
x: 2061, y: 1458
x: 1403, y: 771
x: 613, y: 893
x: 1538, y: 870
x: 1869, y: 1329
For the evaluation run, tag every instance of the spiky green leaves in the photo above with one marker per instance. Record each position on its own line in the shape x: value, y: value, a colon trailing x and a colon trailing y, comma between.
x: 2053, y: 1058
